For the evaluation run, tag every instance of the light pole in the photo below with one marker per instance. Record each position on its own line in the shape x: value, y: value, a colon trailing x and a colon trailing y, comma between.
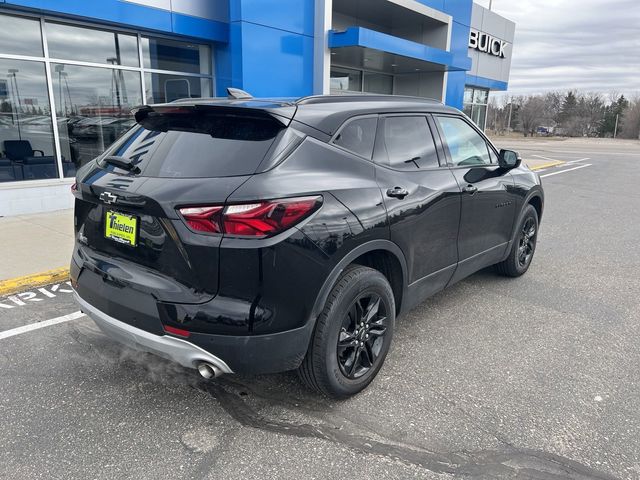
x: 60, y: 71
x: 12, y: 76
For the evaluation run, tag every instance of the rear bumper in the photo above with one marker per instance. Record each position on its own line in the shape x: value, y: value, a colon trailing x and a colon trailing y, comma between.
x: 247, y: 354
x: 180, y: 351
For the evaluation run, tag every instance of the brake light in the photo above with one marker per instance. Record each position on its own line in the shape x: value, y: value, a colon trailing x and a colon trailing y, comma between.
x: 256, y: 219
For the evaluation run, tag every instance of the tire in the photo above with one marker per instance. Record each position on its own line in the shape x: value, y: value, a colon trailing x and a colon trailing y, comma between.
x: 340, y: 371
x: 524, y: 245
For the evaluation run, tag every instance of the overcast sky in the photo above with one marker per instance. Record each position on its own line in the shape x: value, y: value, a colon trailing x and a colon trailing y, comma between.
x: 587, y: 45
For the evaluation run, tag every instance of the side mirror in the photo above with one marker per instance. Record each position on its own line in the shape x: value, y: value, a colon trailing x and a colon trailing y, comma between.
x: 509, y: 159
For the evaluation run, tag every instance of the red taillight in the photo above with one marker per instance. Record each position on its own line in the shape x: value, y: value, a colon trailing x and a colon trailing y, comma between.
x: 176, y: 331
x: 257, y: 219
x: 203, y: 219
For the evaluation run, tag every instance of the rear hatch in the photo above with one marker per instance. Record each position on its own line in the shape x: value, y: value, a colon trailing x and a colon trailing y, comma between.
x: 129, y: 229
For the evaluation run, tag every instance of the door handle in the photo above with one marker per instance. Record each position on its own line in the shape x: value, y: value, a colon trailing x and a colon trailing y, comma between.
x: 470, y: 189
x: 397, y: 192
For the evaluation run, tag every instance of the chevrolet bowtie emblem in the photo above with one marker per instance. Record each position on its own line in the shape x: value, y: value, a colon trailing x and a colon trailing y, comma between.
x: 108, y: 197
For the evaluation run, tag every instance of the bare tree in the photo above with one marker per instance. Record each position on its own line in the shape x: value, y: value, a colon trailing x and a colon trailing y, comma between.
x: 530, y: 114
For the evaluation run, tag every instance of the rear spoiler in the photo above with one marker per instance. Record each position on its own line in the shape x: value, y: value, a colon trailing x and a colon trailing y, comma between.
x: 283, y: 113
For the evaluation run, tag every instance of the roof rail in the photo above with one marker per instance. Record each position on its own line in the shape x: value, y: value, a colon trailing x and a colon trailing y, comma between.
x: 361, y: 97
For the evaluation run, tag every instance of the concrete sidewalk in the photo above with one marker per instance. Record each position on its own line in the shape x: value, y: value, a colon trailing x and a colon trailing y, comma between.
x: 32, y: 244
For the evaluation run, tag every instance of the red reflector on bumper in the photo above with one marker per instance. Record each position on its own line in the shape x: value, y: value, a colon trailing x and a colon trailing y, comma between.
x: 176, y: 331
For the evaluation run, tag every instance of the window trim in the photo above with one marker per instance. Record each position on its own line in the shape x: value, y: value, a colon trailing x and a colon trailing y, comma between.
x: 344, y: 125
x: 445, y: 146
x: 42, y: 19
x: 380, y: 146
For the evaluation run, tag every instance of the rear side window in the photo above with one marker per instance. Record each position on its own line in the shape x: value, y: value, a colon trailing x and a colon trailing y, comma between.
x: 198, y: 145
x: 358, y: 136
x: 409, y: 143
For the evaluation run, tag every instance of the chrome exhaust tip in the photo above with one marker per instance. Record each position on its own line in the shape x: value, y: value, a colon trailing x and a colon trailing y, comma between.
x: 208, y: 370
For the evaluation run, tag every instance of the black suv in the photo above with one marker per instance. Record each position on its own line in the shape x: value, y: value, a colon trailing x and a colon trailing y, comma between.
x: 257, y: 236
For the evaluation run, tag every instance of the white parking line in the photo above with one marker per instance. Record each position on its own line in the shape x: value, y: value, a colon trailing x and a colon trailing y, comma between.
x: 35, y: 326
x: 577, y: 161
x: 565, y: 171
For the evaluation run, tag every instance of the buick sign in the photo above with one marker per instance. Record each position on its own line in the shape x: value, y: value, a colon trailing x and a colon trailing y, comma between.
x: 486, y: 43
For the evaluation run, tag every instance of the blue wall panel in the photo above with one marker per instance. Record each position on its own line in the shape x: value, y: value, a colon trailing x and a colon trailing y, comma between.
x: 364, y: 37
x: 270, y: 52
x: 460, y: 10
x: 455, y: 89
x: 435, y: 4
x: 275, y: 63
x: 291, y: 15
x: 199, y: 27
x: 483, y: 82
x: 129, y: 14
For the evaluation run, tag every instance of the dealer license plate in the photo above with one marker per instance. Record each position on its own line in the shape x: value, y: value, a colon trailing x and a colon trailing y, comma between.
x: 121, y: 228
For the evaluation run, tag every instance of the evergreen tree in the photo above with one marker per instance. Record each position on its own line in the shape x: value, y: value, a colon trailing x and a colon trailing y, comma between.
x: 613, y: 111
x: 569, y: 108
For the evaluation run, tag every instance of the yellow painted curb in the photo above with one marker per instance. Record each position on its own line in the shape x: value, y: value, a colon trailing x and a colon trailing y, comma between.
x: 14, y: 285
x: 546, y: 165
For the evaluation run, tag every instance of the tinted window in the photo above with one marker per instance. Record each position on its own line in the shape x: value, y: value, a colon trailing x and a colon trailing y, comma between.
x: 466, y: 146
x: 358, y: 136
x: 409, y: 143
x: 197, y: 145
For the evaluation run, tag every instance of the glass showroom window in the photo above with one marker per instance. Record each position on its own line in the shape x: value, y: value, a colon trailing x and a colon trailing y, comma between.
x: 167, y: 87
x: 378, y: 83
x: 93, y: 107
x: 349, y: 80
x: 20, y: 36
x: 89, y: 45
x: 26, y: 130
x: 163, y: 54
x: 62, y: 107
x: 345, y: 80
x: 475, y: 105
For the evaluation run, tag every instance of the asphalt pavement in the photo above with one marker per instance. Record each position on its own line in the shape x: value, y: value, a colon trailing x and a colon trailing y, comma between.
x: 530, y: 378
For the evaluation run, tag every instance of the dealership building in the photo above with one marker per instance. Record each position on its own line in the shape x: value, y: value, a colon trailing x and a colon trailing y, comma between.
x: 71, y: 70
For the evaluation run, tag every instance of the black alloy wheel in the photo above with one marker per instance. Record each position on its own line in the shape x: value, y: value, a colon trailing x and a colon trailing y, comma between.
x: 523, y: 246
x: 362, y: 336
x: 527, y: 242
x: 352, y: 334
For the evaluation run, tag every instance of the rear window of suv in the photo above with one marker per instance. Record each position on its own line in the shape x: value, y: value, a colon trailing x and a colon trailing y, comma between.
x: 198, y: 145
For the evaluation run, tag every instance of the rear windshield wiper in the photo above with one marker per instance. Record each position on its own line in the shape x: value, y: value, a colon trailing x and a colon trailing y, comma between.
x: 122, y: 162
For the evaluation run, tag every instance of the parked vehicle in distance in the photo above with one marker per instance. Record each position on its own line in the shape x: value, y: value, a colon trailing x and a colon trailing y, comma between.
x: 257, y: 236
